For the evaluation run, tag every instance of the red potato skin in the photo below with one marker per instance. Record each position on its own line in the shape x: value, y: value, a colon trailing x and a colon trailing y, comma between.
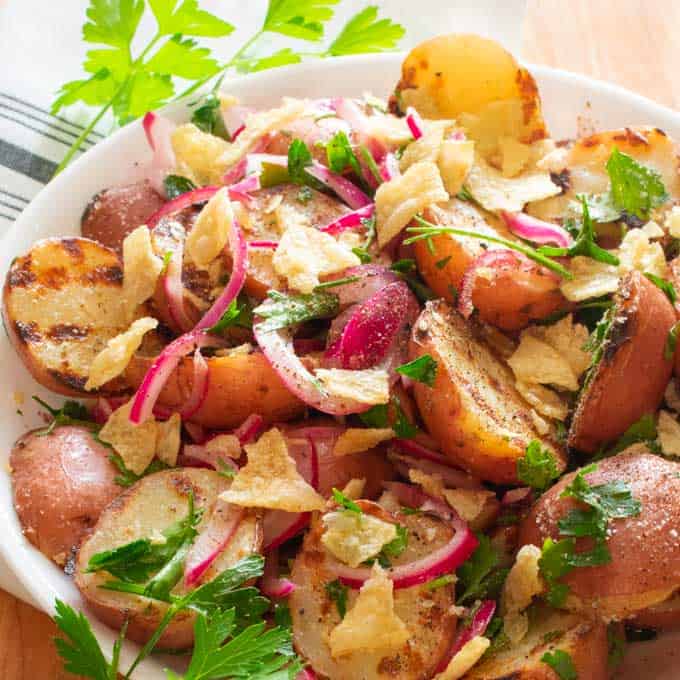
x: 675, y: 277
x: 238, y: 385
x: 114, y: 212
x: 61, y: 481
x: 645, y: 550
x: 633, y: 374
x: 665, y: 616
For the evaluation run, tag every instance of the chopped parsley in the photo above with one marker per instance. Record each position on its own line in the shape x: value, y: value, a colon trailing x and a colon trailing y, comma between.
x: 398, y: 544
x: 403, y: 266
x: 641, y: 431
x: 176, y: 185
x: 561, y: 663
x: 208, y: 117
x: 440, y: 264
x: 537, y: 468
x: 665, y: 286
x: 440, y: 582
x: 371, y: 164
x: 238, y: 313
x: 337, y: 592
x: 671, y: 342
x: 345, y: 502
x: 281, y: 310
x: 379, y: 416
x: 635, y: 188
x: 480, y: 577
x: 335, y: 283
x: 423, y: 370
x: 70, y: 413
x: 127, y: 477
x: 340, y: 155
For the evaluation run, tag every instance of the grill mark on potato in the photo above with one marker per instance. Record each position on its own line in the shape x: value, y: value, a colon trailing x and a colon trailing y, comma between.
x: 54, y: 278
x: 65, y: 331
x: 69, y: 378
x: 27, y: 332
x: 21, y: 276
x: 632, y: 137
x: 73, y: 248
x: 107, y: 274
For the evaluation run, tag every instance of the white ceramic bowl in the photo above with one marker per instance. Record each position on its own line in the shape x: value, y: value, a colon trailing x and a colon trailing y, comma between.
x: 120, y: 159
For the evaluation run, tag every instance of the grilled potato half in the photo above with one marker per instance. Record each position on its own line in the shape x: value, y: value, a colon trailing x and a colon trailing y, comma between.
x: 645, y: 549
x: 426, y: 613
x: 633, y: 372
x: 144, y: 510
x: 62, y: 302
x: 584, y: 640
x: 473, y: 409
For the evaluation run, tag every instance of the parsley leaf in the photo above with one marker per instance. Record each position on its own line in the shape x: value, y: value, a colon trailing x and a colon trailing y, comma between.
x: 363, y: 33
x: 238, y: 313
x: 282, y: 57
x: 635, y: 188
x: 423, y: 370
x: 403, y: 427
x: 641, y: 431
x: 303, y: 19
x: 671, y: 341
x: 340, y: 155
x: 537, y: 468
x: 127, y: 477
x: 176, y: 185
x: 71, y: 413
x: 300, y: 157
x: 183, y: 58
x: 600, y: 207
x: 554, y: 564
x: 187, y: 18
x: 345, y: 502
x: 376, y: 416
x: 281, y: 310
x: 81, y: 651
x: 337, y: 592
x: 208, y: 116
x: 561, y: 663
x: 666, y: 287
x: 480, y: 577
x: 398, y: 544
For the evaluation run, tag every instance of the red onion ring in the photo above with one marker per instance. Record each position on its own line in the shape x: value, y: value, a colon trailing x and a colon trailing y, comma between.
x: 196, y: 432
x: 445, y: 559
x: 174, y: 290
x: 306, y: 674
x: 183, y: 201
x: 199, y: 387
x: 279, y: 527
x: 535, y: 230
x: 158, y: 132
x: 478, y: 625
x: 346, y: 190
x: 389, y: 167
x: 277, y: 346
x: 250, y: 429
x: 349, y: 220
x: 452, y: 478
x: 371, y: 279
x: 236, y: 172
x: 414, y: 122
x: 211, y: 542
x: 210, y: 459
x: 270, y: 583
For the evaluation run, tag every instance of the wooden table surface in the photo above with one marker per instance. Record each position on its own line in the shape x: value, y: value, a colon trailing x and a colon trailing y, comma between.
x: 630, y: 42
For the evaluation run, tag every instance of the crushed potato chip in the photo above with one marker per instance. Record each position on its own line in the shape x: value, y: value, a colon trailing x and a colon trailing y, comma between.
x: 371, y: 623
x: 495, y: 192
x: 522, y: 584
x: 470, y: 653
x: 398, y: 201
x: 141, y: 269
x: 135, y: 444
x: 668, y: 433
x: 197, y: 154
x: 354, y: 537
x: 590, y: 279
x: 638, y: 252
x: 114, y: 358
x: 427, y: 147
x: 357, y: 439
x: 535, y: 361
x: 454, y: 161
x: 224, y: 445
x: 258, y: 124
x: 468, y: 503
x: 432, y: 484
x: 369, y: 386
x: 544, y: 400
x: 354, y: 489
x: 672, y: 222
x: 392, y: 132
x: 270, y: 479
x: 568, y: 339
x: 304, y: 254
x: 168, y: 440
x: 210, y: 232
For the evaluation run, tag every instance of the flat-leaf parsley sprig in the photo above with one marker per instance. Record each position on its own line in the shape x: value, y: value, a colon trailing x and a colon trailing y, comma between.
x: 128, y: 83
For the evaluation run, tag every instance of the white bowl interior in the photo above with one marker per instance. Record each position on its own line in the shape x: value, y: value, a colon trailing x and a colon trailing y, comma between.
x: 121, y: 159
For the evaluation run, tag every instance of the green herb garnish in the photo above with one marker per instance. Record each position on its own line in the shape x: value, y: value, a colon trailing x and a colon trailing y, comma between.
x: 480, y: 577
x: 666, y: 287
x: 671, y: 341
x: 341, y: 156
x: 423, y: 370
x: 176, y: 185
x: 281, y: 310
x: 337, y: 592
x: 561, y: 663
x: 537, y: 468
x: 71, y: 413
x: 345, y: 502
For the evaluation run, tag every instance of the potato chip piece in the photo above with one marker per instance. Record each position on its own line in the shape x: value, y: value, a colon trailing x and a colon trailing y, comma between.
x: 638, y: 252
x: 522, y: 584
x: 197, y: 154
x: 371, y: 623
x: 590, y: 279
x: 141, y: 269
x: 468, y: 503
x: 135, y: 444
x: 369, y: 386
x: 432, y: 484
x: 535, y: 361
x: 668, y: 433
x: 259, y: 124
x: 568, y: 339
x: 454, y: 162
x: 358, y: 439
x: 168, y: 439
x: 224, y: 445
x: 305, y: 253
x: 354, y: 489
x: 114, y: 358
x: 210, y: 232
x: 398, y: 201
x: 427, y: 147
x: 494, y: 192
x: 544, y: 400
x: 354, y: 537
x: 469, y: 654
x: 515, y: 156
x: 270, y: 479
x: 392, y: 132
